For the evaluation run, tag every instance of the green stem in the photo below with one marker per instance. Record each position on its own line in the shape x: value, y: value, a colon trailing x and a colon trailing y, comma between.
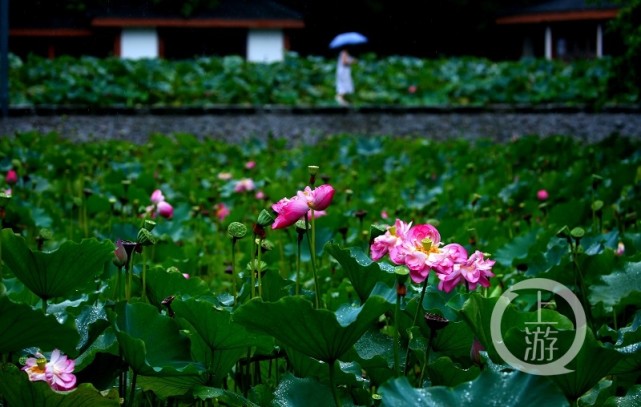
x: 298, y: 267
x: 132, y: 391
x: 252, y: 292
x: 260, y: 279
x: 332, y: 383
x: 581, y: 284
x: 144, y: 275
x: 312, y: 251
x: 233, y: 268
x: 130, y: 277
x: 419, y: 307
x: 44, y: 305
x: 427, y: 357
x: 397, y: 361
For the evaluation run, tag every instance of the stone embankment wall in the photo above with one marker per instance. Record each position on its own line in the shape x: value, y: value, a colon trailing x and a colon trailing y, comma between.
x: 308, y: 125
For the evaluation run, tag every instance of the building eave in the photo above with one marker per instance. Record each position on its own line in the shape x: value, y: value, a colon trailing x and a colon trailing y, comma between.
x: 117, y: 22
x: 50, y: 32
x: 578, y: 15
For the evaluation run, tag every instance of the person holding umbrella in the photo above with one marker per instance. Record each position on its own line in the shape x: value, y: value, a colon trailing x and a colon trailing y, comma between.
x: 344, y: 83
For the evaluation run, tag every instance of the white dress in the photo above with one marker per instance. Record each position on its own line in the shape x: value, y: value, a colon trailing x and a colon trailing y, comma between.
x: 344, y: 84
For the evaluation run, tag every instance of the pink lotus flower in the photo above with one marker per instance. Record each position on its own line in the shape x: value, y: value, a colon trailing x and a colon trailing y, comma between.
x: 473, y: 271
x: 393, y: 237
x: 165, y: 210
x: 620, y: 249
x: 186, y: 276
x: 291, y: 210
x: 224, y: 176
x: 250, y: 164
x: 222, y: 211
x: 542, y: 195
x: 12, y: 177
x: 384, y: 214
x: 58, y: 372
x: 260, y: 195
x: 411, y: 89
x: 244, y: 185
x: 157, y: 197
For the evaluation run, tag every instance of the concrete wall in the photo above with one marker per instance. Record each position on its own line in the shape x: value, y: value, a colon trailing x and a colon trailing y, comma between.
x: 265, y: 45
x: 136, y: 43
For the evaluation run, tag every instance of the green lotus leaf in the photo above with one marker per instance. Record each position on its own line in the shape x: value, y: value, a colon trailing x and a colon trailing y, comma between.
x: 320, y: 334
x: 150, y: 342
x: 215, y: 325
x: 443, y: 372
x: 360, y: 269
x: 17, y: 390
x: 24, y: 327
x: 631, y: 399
x: 171, y: 386
x: 295, y: 392
x: 162, y: 284
x: 618, y: 289
x: 497, y: 385
x: 58, y: 273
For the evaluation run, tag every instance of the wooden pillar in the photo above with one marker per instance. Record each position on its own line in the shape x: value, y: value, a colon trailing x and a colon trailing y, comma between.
x: 548, y: 42
x: 117, y: 46
x: 51, y: 51
x: 599, y: 40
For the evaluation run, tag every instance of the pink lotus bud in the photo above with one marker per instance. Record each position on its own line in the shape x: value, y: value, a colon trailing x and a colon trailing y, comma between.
x: 165, y: 210
x: 260, y: 195
x: 620, y: 249
x: 542, y: 195
x: 244, y: 185
x: 250, y: 164
x: 384, y: 214
x: 475, y: 351
x: 120, y: 254
x: 186, y: 275
x: 411, y: 89
x: 12, y: 177
x: 157, y: 197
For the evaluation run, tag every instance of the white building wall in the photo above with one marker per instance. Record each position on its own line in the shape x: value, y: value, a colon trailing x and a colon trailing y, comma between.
x: 265, y: 45
x: 137, y: 43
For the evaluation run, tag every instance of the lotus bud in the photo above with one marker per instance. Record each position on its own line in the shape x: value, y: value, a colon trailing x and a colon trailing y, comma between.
x: 12, y: 177
x: 475, y: 351
x: 165, y: 210
x: 120, y: 255
x: 313, y: 170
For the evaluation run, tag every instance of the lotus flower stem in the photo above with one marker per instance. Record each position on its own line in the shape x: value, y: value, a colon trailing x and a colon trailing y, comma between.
x: 298, y: 254
x: 419, y: 306
x: 397, y: 361
x: 258, y: 267
x: 312, y: 251
x: 132, y: 391
x: 233, y: 267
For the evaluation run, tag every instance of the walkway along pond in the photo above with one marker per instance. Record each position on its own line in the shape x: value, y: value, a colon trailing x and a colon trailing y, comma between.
x: 300, y: 125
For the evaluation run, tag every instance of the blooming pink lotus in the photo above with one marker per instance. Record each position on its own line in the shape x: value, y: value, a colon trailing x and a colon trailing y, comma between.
x: 157, y: 197
x: 290, y: 210
x: 222, y: 211
x: 542, y: 195
x: 474, y: 271
x: 58, y: 372
x: 11, y: 177
x: 244, y: 185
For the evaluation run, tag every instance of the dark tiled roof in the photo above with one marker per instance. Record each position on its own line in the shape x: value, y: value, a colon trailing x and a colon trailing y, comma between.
x: 226, y: 9
x: 557, y: 6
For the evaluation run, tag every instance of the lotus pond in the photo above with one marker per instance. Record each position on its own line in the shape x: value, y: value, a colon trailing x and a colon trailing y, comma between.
x: 355, y: 272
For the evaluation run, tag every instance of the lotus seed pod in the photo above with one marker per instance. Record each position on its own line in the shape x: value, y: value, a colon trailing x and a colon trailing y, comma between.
x: 265, y: 218
x: 236, y: 230
x: 145, y: 238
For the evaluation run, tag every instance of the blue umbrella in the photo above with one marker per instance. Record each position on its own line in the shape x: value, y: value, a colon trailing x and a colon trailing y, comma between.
x: 350, y: 38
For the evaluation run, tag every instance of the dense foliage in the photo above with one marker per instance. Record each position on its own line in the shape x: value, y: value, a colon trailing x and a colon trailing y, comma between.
x: 309, y: 81
x: 214, y: 307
